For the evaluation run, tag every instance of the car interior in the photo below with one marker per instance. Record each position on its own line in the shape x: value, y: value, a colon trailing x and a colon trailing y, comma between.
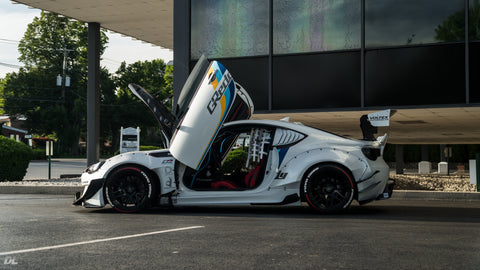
x: 236, y: 161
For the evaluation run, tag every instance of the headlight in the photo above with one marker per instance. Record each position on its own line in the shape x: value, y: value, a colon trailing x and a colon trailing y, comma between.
x: 371, y: 153
x: 95, y: 167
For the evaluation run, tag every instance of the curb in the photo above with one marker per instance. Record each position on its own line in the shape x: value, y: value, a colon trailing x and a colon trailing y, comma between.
x: 413, y: 195
x: 398, y: 195
x: 53, y: 190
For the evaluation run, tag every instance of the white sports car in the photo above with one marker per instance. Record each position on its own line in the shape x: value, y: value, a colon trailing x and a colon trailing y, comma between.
x: 217, y: 157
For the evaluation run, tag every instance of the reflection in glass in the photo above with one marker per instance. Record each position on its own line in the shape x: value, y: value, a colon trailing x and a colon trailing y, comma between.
x: 229, y: 28
x: 315, y: 25
x: 474, y: 20
x: 392, y: 22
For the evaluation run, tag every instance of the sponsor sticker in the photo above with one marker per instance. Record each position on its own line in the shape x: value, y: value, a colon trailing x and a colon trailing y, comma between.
x: 380, y: 119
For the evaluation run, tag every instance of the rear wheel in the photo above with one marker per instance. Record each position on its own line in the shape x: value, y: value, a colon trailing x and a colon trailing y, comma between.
x: 129, y: 189
x: 328, y: 188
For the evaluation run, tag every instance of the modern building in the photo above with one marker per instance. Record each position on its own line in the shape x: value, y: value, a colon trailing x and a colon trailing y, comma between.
x: 322, y: 62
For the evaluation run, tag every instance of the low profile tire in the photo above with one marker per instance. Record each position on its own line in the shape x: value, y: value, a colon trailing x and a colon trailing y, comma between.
x: 328, y: 188
x: 129, y: 189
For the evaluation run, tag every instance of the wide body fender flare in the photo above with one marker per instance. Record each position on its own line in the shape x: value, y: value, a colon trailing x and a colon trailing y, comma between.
x: 293, y: 170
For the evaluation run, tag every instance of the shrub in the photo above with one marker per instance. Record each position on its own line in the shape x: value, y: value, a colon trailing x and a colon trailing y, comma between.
x: 149, y: 147
x: 38, y: 154
x: 14, y: 159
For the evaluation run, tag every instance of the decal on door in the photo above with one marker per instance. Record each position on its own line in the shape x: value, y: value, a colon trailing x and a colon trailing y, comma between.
x: 205, y: 116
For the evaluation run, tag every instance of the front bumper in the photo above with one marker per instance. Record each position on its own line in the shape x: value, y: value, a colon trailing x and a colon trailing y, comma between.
x: 89, y: 192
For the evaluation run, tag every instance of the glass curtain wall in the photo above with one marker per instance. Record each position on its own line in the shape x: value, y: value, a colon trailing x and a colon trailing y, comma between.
x: 238, y: 33
x: 315, y: 26
x: 411, y: 22
x: 474, y: 49
x: 229, y: 28
x: 399, y: 68
x: 307, y: 54
x: 316, y: 54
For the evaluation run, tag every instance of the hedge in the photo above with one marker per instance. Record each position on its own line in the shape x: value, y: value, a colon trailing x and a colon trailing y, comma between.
x: 14, y: 159
x: 39, y: 154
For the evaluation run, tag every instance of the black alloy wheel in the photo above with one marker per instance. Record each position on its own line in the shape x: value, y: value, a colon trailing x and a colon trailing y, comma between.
x: 129, y: 189
x: 328, y: 188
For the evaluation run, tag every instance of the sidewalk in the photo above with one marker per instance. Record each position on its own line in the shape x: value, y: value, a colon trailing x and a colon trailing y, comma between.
x: 36, y: 179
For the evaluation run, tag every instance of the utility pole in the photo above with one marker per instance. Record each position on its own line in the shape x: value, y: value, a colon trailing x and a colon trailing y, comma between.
x: 64, y: 67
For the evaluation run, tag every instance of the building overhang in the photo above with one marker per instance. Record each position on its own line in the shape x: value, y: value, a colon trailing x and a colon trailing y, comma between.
x: 147, y: 20
x: 453, y: 125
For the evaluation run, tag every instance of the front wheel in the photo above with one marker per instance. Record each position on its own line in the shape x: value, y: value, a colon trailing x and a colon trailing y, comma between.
x: 328, y: 188
x: 129, y: 189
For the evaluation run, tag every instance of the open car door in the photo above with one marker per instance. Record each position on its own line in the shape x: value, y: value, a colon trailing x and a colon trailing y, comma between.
x: 209, y: 98
x: 217, y: 99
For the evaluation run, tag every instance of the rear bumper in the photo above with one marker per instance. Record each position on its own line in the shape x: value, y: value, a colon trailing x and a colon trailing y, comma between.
x: 388, y: 191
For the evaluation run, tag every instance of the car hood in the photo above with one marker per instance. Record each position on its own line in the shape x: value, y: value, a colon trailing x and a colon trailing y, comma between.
x: 209, y: 98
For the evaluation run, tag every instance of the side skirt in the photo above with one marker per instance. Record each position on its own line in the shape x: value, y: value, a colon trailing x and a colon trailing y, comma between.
x: 292, y: 198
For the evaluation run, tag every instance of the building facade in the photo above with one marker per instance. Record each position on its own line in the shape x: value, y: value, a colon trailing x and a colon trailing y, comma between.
x: 341, y: 54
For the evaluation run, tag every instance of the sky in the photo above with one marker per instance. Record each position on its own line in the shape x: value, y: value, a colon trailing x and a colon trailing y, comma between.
x: 14, y: 19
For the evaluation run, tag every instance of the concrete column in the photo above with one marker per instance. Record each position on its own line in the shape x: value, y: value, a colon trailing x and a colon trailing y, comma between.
x: 93, y: 94
x: 181, y: 46
x: 399, y: 159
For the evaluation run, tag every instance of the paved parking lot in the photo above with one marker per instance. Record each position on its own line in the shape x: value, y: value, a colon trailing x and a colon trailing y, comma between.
x: 46, y: 232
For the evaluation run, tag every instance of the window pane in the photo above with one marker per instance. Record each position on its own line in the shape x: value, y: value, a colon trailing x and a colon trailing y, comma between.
x: 474, y: 70
x: 474, y: 20
x: 229, y: 28
x: 415, y: 75
x: 315, y: 25
x: 393, y: 22
x: 324, y: 80
x: 252, y: 74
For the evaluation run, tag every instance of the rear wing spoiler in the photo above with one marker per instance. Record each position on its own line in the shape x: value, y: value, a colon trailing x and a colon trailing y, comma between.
x: 369, y: 123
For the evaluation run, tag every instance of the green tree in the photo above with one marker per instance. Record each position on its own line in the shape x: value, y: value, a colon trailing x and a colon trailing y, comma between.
x: 2, y: 99
x: 124, y: 109
x: 168, y: 77
x: 453, y: 28
x: 32, y: 91
x: 148, y: 74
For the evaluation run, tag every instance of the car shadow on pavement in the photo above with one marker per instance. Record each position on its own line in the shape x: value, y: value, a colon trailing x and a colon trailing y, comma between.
x: 408, y: 211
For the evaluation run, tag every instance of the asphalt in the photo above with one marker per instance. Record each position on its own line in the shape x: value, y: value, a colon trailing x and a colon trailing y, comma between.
x: 36, y: 182
x: 46, y: 232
